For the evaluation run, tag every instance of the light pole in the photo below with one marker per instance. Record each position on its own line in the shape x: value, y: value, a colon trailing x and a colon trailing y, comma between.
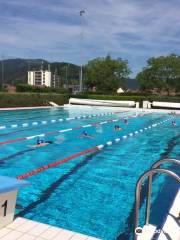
x: 2, y: 71
x: 81, y: 67
x: 67, y: 82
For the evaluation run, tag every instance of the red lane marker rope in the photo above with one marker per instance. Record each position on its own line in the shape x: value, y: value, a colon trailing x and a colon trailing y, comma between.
x: 13, y: 140
x: 51, y: 133
x: 54, y: 164
x: 76, y: 128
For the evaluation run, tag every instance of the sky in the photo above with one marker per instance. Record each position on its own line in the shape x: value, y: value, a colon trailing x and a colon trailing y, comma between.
x: 134, y: 30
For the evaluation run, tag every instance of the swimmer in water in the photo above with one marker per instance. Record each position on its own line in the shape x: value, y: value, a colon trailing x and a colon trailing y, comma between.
x: 126, y: 121
x: 173, y: 123
x: 41, y: 143
x: 85, y: 134
x: 117, y: 128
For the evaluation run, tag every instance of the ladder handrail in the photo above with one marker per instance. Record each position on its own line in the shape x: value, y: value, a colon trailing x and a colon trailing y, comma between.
x: 166, y: 160
x: 138, y: 189
x: 155, y: 165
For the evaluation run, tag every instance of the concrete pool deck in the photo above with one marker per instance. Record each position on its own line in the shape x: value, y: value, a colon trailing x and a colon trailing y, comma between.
x: 24, y: 229
x: 171, y: 228
x: 66, y: 106
x: 25, y: 108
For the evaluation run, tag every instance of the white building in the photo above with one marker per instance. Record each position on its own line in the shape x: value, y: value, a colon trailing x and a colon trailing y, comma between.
x: 39, y: 78
x: 120, y: 90
x: 55, y: 80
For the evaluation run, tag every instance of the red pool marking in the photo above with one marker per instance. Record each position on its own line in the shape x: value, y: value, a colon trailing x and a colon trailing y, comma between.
x: 51, y: 133
x: 95, y: 124
x: 76, y: 128
x: 13, y: 140
x: 54, y: 164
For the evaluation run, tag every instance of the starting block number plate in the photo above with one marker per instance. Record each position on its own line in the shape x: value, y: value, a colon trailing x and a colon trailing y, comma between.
x: 7, y: 207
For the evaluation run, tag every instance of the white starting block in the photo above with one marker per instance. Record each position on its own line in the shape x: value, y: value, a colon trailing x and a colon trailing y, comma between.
x: 8, y: 193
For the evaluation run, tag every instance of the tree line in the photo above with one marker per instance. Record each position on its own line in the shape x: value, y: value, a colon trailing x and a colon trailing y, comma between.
x: 103, y: 74
x: 160, y: 74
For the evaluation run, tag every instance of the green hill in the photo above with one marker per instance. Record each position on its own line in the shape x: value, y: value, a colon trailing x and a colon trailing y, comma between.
x: 15, y: 70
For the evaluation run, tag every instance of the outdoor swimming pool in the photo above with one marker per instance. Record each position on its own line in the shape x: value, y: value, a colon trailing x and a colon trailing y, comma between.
x: 93, y: 193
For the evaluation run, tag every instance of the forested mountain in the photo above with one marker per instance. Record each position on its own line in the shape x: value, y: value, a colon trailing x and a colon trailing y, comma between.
x: 15, y: 70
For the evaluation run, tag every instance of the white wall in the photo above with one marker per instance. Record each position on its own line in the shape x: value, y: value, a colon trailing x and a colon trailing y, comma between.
x: 45, y: 77
x: 48, y: 78
x: 31, y: 78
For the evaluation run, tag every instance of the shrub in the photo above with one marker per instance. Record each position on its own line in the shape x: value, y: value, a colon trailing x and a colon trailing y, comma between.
x: 42, y: 89
x: 31, y: 99
x: 43, y: 99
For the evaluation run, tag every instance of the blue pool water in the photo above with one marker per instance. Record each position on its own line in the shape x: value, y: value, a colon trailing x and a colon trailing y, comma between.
x: 92, y: 194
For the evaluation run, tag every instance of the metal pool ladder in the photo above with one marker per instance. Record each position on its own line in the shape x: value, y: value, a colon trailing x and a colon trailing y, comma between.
x: 153, y: 170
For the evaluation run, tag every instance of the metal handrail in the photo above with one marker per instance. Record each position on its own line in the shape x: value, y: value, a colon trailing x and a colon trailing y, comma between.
x: 160, y: 162
x: 138, y: 189
x: 155, y: 165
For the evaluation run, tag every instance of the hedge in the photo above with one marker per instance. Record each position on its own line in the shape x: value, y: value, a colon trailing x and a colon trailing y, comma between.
x: 31, y: 99
x: 43, y: 99
x: 42, y: 89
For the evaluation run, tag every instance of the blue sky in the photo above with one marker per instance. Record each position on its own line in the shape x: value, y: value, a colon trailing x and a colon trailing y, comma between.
x: 131, y: 29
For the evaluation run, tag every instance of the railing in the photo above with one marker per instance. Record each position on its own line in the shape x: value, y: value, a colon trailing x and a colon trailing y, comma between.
x: 154, y: 170
x: 154, y: 166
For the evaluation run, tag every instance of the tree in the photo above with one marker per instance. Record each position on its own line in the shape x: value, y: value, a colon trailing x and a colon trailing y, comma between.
x: 162, y: 73
x: 106, y: 74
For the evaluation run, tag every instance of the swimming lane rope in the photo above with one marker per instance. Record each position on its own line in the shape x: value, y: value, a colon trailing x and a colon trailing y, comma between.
x: 64, y: 130
x: 85, y: 152
x: 54, y: 164
x: 44, y: 122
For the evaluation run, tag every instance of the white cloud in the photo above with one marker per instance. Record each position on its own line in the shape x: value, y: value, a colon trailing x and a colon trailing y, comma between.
x: 134, y: 30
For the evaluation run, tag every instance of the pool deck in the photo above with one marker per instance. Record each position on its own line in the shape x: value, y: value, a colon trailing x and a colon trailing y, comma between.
x: 66, y: 106
x: 24, y: 229
x: 25, y: 108
x: 150, y: 110
x: 171, y: 228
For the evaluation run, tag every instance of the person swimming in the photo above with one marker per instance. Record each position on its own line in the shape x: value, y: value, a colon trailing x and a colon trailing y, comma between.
x: 85, y: 134
x: 173, y: 123
x: 126, y: 121
x: 41, y: 143
x: 117, y: 128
